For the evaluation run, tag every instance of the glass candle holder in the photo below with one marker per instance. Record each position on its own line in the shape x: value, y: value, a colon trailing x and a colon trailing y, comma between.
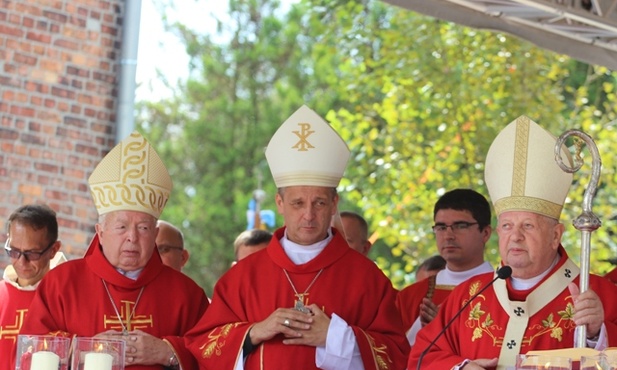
x: 599, y: 362
x: 543, y: 362
x: 98, y: 354
x: 42, y: 352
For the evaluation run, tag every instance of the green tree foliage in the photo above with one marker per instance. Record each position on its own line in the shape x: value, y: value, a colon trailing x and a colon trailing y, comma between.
x: 418, y: 101
x: 211, y: 135
x: 423, y: 100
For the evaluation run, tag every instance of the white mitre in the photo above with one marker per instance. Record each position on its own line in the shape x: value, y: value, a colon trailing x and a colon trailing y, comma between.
x: 521, y: 173
x: 306, y: 151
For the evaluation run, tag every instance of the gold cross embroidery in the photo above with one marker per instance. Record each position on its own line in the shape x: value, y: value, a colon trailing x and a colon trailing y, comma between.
x: 136, y: 322
x: 11, y: 331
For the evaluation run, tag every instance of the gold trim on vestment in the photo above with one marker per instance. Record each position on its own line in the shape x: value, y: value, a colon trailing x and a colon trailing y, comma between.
x: 380, y: 353
x: 520, y: 313
x: 445, y: 287
x: 216, y: 342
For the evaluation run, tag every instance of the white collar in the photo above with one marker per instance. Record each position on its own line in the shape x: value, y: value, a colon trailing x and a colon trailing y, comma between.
x: 524, y: 284
x: 10, y: 276
x: 300, y: 254
x: 133, y: 275
x: 449, y: 277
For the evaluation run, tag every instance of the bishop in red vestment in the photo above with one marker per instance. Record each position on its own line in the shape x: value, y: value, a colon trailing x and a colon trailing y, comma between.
x: 307, y: 301
x: 80, y: 298
x: 540, y: 307
x: 121, y: 287
x: 503, y: 320
x: 349, y: 285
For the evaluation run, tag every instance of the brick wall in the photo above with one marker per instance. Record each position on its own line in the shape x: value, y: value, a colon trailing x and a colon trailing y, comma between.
x: 58, y: 76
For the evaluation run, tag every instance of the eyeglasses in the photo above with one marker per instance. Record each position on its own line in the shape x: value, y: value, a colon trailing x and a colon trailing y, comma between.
x: 28, y: 255
x: 456, y: 227
x: 168, y: 248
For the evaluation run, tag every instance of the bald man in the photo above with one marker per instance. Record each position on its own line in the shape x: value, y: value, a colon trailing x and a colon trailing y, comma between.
x: 170, y: 243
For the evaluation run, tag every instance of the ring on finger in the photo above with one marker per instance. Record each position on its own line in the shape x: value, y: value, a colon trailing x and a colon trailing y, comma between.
x: 287, y: 323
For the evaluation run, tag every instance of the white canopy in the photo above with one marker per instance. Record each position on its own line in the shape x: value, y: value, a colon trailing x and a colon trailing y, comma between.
x: 583, y: 29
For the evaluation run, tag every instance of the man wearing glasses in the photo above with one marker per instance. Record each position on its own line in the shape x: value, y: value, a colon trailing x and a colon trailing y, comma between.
x: 170, y: 243
x: 462, y: 228
x: 31, y: 244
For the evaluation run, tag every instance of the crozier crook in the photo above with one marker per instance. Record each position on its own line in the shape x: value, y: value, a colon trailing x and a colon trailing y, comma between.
x: 587, y: 221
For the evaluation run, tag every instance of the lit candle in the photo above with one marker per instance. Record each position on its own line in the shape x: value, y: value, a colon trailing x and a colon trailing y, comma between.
x: 98, y: 361
x: 45, y: 360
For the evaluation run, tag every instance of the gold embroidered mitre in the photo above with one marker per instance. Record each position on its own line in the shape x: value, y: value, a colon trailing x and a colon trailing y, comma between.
x: 131, y: 177
x: 306, y: 151
x: 521, y: 173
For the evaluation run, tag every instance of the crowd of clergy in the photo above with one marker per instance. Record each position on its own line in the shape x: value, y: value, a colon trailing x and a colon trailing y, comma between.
x: 305, y: 299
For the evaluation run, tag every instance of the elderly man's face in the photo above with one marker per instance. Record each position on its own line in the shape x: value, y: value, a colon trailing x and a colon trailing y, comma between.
x: 528, y: 242
x: 128, y: 238
x: 307, y: 211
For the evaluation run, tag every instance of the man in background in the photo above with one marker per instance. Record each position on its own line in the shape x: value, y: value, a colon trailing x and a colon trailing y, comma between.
x: 251, y: 241
x: 170, y: 243
x: 32, y: 243
x: 462, y: 227
x: 430, y: 267
x: 355, y: 229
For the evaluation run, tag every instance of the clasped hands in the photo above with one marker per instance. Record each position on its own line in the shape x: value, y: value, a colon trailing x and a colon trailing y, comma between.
x: 298, y: 328
x: 141, y: 348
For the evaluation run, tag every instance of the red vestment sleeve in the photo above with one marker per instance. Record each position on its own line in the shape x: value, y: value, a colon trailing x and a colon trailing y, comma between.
x: 612, y: 275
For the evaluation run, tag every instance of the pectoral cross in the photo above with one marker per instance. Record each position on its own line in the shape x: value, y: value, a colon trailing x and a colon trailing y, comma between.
x: 299, y: 305
x: 130, y: 323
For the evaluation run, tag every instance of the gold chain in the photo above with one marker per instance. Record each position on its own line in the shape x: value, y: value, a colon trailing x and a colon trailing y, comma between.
x: 307, y: 289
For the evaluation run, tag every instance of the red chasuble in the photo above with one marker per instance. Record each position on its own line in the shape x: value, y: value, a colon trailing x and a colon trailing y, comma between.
x: 612, y: 276
x: 14, y: 305
x: 409, y: 299
x: 502, y: 322
x: 72, y: 301
x: 351, y: 286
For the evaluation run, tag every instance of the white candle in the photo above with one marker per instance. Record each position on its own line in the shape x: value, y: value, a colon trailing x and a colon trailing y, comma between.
x: 98, y: 361
x: 45, y: 360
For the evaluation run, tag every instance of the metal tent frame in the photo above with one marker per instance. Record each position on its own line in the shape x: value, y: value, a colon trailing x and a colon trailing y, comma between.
x: 583, y: 29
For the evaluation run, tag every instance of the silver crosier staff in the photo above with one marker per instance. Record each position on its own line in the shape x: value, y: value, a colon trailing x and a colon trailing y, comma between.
x: 586, y: 222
